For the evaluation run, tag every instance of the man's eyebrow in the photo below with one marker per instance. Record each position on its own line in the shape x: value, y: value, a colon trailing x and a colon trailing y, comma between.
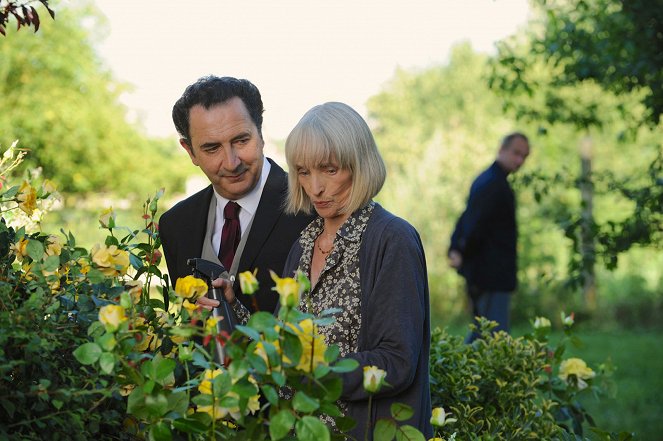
x: 240, y: 136
x: 210, y: 144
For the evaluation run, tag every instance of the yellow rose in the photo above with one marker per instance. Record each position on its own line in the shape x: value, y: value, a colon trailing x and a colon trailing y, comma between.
x: 251, y: 406
x: 313, y: 345
x: 20, y: 248
x: 110, y: 260
x: 135, y: 288
x: 27, y: 198
x: 216, y: 412
x: 575, y: 371
x: 54, y: 245
x: 112, y: 316
x: 205, y: 386
x: 107, y: 218
x: 190, y: 287
x: 288, y: 290
x: 439, y: 417
x: 248, y: 282
x: 189, y: 306
x: 373, y: 378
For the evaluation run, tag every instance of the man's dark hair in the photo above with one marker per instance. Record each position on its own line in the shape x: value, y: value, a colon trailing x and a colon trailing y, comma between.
x: 508, y: 139
x: 212, y: 90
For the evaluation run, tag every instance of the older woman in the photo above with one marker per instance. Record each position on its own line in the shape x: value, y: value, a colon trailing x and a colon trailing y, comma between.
x: 362, y: 259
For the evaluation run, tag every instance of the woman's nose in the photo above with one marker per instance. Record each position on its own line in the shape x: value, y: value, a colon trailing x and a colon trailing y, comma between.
x: 317, y: 185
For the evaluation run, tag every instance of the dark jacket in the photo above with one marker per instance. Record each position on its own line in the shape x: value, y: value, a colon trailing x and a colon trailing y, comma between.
x: 182, y: 230
x: 486, y: 233
x: 395, y: 322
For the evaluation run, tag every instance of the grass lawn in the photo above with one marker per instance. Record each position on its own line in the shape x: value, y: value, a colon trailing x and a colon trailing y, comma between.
x: 637, y: 404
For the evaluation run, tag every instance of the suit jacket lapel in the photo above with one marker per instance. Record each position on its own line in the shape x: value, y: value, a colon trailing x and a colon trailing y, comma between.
x: 198, y: 224
x: 267, y: 214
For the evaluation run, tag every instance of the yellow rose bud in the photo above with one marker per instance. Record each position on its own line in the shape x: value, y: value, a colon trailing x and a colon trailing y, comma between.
x: 112, y: 316
x: 248, y: 282
x: 107, y: 218
x: 439, y: 417
x: 190, y: 287
x: 373, y: 378
x: 568, y: 320
x: 27, y: 198
x: 541, y: 322
x: 288, y: 290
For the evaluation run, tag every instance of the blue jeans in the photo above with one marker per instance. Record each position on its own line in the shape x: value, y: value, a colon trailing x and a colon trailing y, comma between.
x: 493, y: 305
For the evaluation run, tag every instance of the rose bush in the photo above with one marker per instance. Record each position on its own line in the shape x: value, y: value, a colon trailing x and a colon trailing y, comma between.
x: 88, y: 351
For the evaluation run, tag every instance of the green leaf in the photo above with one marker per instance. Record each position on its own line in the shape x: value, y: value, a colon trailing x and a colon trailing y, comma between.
x: 281, y: 424
x: 331, y: 354
x: 178, y: 402
x: 262, y: 320
x: 57, y: 404
x: 156, y: 404
x: 244, y: 388
x: 136, y: 403
x: 310, y: 428
x: 270, y: 393
x: 409, y: 433
x: 249, y: 332
x: 303, y: 403
x: 95, y: 276
x: 51, y: 263
x: 320, y: 371
x: 107, y: 341
x: 107, y: 362
x: 160, y: 432
x: 401, y: 412
x: 345, y: 365
x: 35, y: 249
x: 385, y: 430
x: 88, y: 353
x: 190, y: 425
x: 163, y: 368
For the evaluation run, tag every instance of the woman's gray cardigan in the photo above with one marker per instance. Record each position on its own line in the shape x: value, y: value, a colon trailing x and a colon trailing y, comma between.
x: 395, y: 322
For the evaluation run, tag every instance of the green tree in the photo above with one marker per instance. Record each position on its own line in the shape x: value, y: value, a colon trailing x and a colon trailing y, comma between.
x: 560, y: 72
x: 65, y: 109
x: 436, y: 129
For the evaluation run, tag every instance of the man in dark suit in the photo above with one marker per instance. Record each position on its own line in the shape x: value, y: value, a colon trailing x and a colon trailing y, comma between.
x: 483, y: 245
x: 219, y: 121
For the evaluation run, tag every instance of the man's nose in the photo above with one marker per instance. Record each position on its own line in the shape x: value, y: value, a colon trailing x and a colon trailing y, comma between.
x: 230, y: 159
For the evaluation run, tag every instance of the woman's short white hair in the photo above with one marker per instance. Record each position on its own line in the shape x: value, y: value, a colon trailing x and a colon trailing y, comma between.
x: 334, y: 133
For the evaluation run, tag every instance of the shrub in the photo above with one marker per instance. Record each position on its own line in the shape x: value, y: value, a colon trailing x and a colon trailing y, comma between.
x: 501, y: 387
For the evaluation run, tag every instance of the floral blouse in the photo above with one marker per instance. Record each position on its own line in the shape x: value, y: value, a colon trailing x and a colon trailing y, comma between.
x: 339, y: 283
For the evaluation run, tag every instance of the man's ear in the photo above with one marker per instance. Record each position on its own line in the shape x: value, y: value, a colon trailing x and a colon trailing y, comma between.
x: 189, y: 150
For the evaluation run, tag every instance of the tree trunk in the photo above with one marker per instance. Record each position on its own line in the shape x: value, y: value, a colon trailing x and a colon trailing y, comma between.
x: 587, y: 227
